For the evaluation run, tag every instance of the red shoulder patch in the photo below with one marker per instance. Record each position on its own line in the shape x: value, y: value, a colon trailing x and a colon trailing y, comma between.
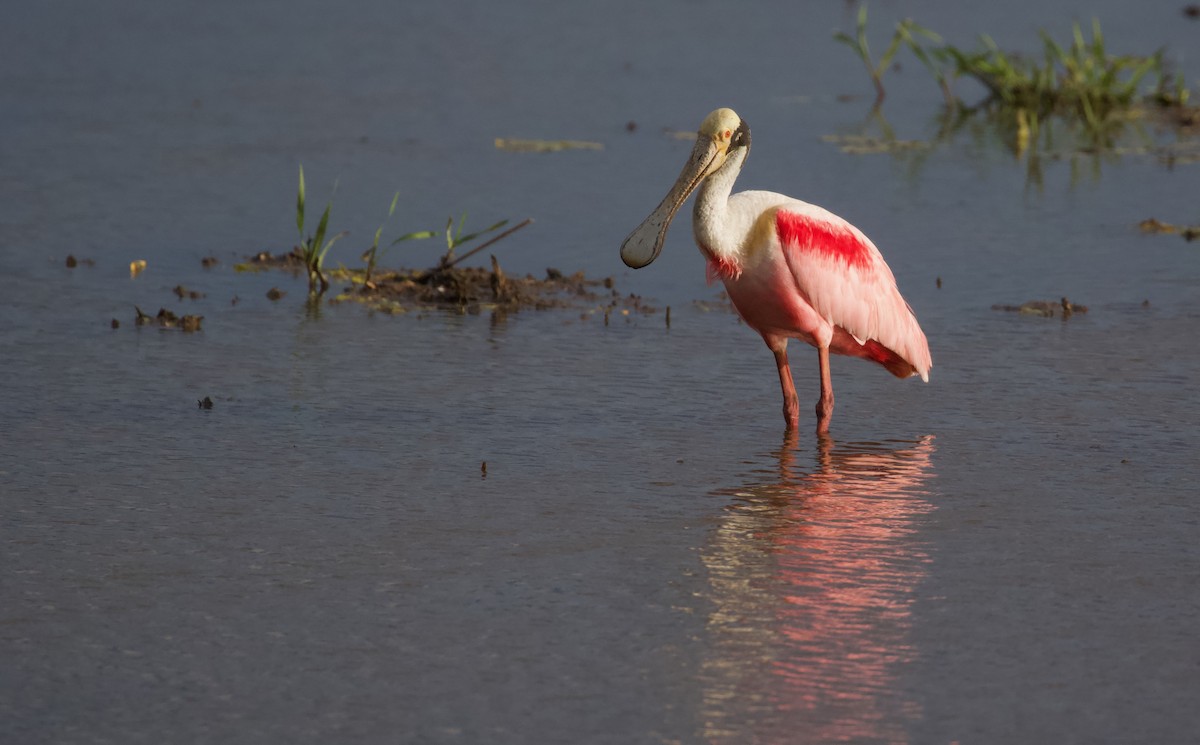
x: 825, y: 238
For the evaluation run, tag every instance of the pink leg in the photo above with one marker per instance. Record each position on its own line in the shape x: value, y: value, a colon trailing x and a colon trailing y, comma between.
x: 825, y: 404
x: 791, y: 404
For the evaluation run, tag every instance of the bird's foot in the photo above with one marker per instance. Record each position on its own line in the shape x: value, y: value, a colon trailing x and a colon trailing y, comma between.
x: 791, y: 412
x: 824, y: 414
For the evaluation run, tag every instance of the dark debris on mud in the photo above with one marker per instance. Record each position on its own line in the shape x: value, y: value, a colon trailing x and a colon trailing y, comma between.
x: 469, y: 289
x: 167, y: 319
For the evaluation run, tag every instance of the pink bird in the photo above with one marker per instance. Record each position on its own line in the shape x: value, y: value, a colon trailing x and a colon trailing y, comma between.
x: 793, y: 270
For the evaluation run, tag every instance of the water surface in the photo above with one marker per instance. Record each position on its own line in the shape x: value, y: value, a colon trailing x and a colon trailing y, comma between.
x: 1007, y: 554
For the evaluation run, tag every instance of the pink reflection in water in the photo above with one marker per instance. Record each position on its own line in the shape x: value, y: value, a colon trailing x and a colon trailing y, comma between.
x: 813, y: 575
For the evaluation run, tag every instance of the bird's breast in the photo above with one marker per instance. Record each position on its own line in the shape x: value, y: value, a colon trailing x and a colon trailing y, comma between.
x: 765, y: 295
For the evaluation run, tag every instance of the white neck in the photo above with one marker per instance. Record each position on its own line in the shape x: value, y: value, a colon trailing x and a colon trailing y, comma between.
x: 711, y: 213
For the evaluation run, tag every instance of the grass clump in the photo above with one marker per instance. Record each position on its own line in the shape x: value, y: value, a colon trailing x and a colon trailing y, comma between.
x: 372, y: 254
x: 1080, y: 83
x: 372, y: 282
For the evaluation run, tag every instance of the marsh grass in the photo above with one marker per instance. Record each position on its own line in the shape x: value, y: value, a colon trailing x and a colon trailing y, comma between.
x: 372, y: 254
x: 369, y: 282
x: 906, y: 33
x: 1093, y: 93
x: 312, y: 250
x: 455, y: 237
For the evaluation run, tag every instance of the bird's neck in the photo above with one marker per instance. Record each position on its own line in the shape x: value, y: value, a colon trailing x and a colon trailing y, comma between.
x: 710, y: 218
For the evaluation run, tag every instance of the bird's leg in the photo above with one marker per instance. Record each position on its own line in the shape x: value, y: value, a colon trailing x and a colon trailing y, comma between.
x: 791, y: 404
x: 825, y: 404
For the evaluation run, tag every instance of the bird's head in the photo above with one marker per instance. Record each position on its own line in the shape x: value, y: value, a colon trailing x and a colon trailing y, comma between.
x: 721, y: 133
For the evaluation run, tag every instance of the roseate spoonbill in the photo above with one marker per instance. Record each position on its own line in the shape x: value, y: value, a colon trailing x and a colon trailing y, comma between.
x: 792, y: 269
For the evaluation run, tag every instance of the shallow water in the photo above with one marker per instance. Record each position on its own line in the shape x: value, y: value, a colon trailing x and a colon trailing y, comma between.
x: 1007, y: 554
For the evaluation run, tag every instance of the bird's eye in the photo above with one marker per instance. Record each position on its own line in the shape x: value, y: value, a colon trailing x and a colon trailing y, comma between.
x: 740, y: 138
x: 727, y: 134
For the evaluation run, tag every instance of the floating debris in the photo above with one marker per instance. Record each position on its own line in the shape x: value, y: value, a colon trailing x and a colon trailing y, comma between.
x: 515, y: 145
x: 274, y: 294
x: 1044, y: 308
x: 166, y: 319
x: 116, y: 324
x: 1151, y: 225
x: 264, y: 260
x: 182, y: 292
x: 205, y: 403
x: 863, y: 145
x: 71, y: 261
x: 208, y: 262
x: 136, y: 267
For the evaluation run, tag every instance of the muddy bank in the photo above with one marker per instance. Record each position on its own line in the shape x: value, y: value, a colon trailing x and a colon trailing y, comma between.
x: 466, y: 289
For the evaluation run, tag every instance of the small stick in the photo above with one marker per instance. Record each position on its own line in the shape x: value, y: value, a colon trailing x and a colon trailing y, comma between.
x: 480, y: 247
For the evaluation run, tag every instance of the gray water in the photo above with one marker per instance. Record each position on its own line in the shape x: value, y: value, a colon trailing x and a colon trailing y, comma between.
x: 1007, y: 554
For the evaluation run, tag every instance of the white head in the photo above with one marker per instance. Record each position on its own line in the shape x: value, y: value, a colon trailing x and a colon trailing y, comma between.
x: 721, y: 133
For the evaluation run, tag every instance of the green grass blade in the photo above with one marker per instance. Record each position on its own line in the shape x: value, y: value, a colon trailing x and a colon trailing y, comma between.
x: 325, y: 249
x: 322, y: 226
x: 864, y: 49
x: 889, y: 53
x: 473, y: 236
x: 922, y: 31
x: 418, y: 235
x: 845, y: 39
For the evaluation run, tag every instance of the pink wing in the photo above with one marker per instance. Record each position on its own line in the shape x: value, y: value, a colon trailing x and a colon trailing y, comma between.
x: 844, y: 277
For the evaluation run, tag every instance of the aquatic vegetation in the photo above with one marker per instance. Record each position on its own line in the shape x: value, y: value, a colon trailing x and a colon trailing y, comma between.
x: 443, y: 285
x: 1094, y: 92
x: 314, y: 247
x: 906, y: 32
x: 372, y: 254
x: 455, y: 237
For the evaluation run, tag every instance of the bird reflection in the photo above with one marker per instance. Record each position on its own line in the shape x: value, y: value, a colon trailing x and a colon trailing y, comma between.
x: 813, y: 570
